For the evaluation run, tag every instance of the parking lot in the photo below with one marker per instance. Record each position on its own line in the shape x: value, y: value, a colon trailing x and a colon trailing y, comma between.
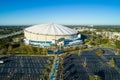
x: 22, y: 68
x: 95, y: 65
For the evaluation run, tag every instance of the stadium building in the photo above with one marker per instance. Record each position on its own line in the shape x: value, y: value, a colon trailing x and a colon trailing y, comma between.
x: 46, y: 34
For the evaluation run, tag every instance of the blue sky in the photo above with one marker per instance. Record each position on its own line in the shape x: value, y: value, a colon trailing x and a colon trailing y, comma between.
x: 21, y: 12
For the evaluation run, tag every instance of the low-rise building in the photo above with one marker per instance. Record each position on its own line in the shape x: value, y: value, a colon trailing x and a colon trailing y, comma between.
x: 110, y: 35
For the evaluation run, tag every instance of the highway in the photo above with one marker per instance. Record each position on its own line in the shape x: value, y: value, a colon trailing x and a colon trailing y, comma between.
x: 12, y: 34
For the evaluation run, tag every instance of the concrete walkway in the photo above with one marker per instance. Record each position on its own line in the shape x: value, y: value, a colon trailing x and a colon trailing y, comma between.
x: 54, y: 68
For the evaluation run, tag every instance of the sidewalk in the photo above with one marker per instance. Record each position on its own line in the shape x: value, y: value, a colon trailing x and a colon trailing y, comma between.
x: 54, y: 67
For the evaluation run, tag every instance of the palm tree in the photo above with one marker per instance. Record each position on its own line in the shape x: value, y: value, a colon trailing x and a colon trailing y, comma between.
x: 84, y: 63
x: 117, y: 46
x: 94, y: 77
x: 112, y: 62
x: 45, y: 74
x: 99, y: 52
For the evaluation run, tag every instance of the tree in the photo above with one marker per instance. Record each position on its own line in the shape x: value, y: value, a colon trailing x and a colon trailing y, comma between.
x: 44, y: 51
x: 9, y: 47
x: 45, y: 74
x: 48, y: 66
x: 38, y: 50
x: 99, y: 52
x: 94, y: 77
x: 117, y: 46
x: 112, y: 62
x: 105, y: 40
x: 86, y: 41
x: 91, y: 42
x: 31, y: 50
x: 84, y: 63
x: 117, y: 43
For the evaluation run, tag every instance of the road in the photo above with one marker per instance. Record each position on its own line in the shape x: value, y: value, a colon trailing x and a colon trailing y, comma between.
x: 12, y: 34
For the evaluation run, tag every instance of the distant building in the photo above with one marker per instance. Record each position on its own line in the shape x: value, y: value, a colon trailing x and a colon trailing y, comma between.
x: 110, y: 35
x: 81, y: 29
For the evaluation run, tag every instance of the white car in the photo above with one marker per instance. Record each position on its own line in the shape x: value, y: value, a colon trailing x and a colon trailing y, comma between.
x: 1, y: 62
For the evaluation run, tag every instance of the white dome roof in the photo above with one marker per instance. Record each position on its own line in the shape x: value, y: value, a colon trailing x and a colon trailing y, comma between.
x: 51, y: 29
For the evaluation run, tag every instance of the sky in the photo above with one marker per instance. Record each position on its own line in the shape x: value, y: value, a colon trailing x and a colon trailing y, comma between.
x: 68, y: 12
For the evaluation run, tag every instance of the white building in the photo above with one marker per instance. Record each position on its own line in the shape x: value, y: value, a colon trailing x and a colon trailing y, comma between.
x: 81, y: 29
x: 46, y: 34
x: 110, y: 35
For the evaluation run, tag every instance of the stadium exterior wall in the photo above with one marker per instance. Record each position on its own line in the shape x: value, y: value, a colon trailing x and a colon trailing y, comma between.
x: 44, y: 40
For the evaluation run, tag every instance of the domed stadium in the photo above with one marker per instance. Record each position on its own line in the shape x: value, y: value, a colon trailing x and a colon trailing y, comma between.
x: 47, y: 34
